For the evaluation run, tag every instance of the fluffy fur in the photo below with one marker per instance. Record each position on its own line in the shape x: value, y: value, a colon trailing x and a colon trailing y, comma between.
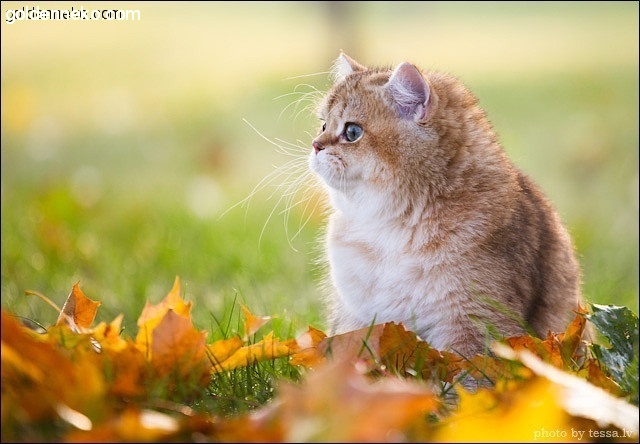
x: 431, y: 224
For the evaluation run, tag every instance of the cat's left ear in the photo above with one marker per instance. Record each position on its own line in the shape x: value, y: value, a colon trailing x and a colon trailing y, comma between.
x: 410, y: 92
x: 343, y: 66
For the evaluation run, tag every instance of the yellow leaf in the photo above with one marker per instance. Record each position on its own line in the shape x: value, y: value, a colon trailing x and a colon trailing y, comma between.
x: 108, y: 335
x: 592, y: 372
x: 337, y: 403
x: 132, y: 425
x: 305, y: 348
x: 267, y: 349
x: 221, y: 350
x: 571, y: 339
x: 577, y: 396
x: 252, y: 323
x: 530, y: 414
x: 548, y: 350
x: 38, y: 374
x: 130, y: 371
x: 78, y: 310
x: 153, y: 314
x: 178, y: 348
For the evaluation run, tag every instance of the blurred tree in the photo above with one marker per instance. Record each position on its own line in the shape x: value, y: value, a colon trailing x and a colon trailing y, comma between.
x: 343, y: 26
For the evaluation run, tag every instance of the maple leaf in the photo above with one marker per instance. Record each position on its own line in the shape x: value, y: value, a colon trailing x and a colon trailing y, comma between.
x: 78, y: 310
x: 305, y: 348
x: 252, y: 323
x: 267, y: 349
x: 179, y: 349
x: 571, y: 339
x: 108, y: 335
x: 38, y: 376
x: 578, y: 397
x: 132, y: 425
x: 548, y: 350
x: 354, y: 409
x: 391, y: 348
x: 152, y: 315
x: 221, y: 350
x: 129, y: 371
x: 514, y: 415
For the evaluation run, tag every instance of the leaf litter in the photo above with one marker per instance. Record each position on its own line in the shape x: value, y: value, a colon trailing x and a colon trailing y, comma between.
x: 79, y: 383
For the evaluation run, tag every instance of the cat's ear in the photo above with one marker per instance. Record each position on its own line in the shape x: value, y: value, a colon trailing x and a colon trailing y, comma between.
x: 343, y: 66
x: 410, y: 92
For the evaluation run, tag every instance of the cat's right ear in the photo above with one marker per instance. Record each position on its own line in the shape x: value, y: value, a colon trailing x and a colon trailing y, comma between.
x: 410, y: 92
x: 343, y: 66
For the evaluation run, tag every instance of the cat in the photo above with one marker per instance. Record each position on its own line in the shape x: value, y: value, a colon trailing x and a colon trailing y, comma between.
x: 431, y: 224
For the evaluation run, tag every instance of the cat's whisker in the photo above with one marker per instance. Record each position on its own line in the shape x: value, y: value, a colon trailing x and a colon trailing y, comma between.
x: 323, y: 73
x: 311, y: 96
x: 262, y: 184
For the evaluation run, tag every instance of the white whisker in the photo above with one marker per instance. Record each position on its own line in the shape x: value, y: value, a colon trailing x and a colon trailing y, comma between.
x: 290, y: 181
x: 324, y: 73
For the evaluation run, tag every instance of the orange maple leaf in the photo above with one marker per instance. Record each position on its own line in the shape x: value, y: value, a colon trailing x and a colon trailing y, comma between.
x: 305, y: 348
x: 220, y: 351
x: 178, y: 347
x: 354, y: 409
x: 78, y: 310
x: 267, y: 349
x: 252, y: 323
x: 152, y: 315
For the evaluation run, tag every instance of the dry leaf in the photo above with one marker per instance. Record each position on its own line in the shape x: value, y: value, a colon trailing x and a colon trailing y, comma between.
x: 305, y: 348
x: 339, y: 403
x: 220, y: 351
x: 179, y: 349
x: 108, y: 335
x: 577, y: 396
x: 152, y: 315
x: 38, y: 375
x: 78, y: 310
x: 252, y: 323
x: 267, y: 349
x: 514, y: 416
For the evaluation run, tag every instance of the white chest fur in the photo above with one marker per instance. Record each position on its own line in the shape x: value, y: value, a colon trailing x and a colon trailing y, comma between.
x: 381, y: 276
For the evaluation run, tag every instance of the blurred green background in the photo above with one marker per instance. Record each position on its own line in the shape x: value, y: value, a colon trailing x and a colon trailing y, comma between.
x: 123, y: 142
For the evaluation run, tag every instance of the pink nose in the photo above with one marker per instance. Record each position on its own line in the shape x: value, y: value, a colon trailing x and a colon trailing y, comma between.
x: 317, y: 146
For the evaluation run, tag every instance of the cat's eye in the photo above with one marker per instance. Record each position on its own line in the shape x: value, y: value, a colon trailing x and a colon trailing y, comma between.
x: 324, y: 126
x: 352, y: 132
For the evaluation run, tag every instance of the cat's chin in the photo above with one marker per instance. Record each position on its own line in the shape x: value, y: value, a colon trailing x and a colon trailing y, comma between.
x: 329, y: 169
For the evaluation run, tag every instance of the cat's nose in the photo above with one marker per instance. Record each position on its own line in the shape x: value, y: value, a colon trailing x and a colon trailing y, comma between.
x: 317, y: 146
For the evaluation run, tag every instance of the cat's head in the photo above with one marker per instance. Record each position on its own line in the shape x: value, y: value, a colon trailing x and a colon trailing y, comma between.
x: 388, y: 128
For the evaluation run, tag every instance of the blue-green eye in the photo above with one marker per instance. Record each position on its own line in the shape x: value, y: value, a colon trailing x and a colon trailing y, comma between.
x: 352, y: 132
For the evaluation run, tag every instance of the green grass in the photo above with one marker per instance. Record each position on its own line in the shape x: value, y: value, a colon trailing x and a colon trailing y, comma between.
x: 122, y: 144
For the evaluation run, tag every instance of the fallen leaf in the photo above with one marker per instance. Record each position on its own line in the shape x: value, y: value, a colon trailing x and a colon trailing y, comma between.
x: 132, y: 425
x: 152, y: 315
x: 267, y: 349
x: 577, y: 396
x: 108, y: 335
x: 219, y: 351
x: 305, y: 348
x: 571, y: 339
x: 179, y: 349
x: 339, y: 403
x: 78, y: 310
x: 252, y: 323
x: 514, y: 416
x: 38, y: 375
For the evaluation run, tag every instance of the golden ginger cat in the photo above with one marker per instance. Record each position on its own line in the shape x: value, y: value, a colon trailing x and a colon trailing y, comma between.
x: 431, y: 224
